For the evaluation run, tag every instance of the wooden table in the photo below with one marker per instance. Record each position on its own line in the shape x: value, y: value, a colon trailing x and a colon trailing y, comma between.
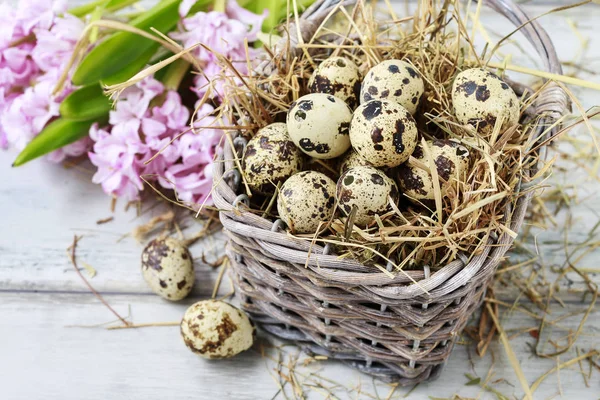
x: 53, y: 344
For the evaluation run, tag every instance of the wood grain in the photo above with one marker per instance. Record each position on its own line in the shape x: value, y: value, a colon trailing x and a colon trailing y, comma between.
x: 69, y: 362
x: 43, y: 206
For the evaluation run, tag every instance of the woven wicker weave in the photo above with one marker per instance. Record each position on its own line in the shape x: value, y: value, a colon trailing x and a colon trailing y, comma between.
x: 388, y: 328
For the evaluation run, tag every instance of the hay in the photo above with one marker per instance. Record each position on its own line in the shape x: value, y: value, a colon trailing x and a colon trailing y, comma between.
x: 437, y: 43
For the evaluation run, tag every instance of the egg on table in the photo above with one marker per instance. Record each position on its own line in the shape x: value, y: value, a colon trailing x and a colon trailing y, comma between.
x: 451, y: 159
x: 383, y: 132
x: 481, y: 99
x: 339, y: 77
x: 270, y: 157
x: 369, y: 190
x: 393, y: 80
x: 305, y: 200
x: 318, y: 124
x: 168, y: 268
x: 215, y: 329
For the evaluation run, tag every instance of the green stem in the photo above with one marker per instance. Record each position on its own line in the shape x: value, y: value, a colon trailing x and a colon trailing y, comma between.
x: 175, y: 74
x: 119, y: 5
x: 220, y: 5
x: 85, y: 9
x: 109, y: 5
x: 24, y: 39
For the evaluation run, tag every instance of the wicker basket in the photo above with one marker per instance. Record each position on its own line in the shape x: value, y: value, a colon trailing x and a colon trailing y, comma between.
x: 344, y: 310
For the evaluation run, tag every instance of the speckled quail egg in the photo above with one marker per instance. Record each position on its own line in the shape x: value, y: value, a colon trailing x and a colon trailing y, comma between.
x: 168, y: 268
x: 451, y: 159
x: 318, y: 123
x: 383, y: 132
x: 481, y: 98
x: 305, y: 200
x: 350, y: 160
x: 270, y: 157
x: 367, y: 188
x: 337, y: 76
x: 215, y: 329
x: 393, y: 80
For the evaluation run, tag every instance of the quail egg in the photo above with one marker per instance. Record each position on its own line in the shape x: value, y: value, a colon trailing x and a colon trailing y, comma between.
x: 451, y: 159
x: 352, y: 159
x: 481, y: 98
x: 367, y: 188
x: 270, y: 157
x: 305, y: 200
x: 339, y: 77
x: 393, y: 80
x: 383, y: 133
x: 168, y: 268
x: 215, y: 329
x: 318, y: 123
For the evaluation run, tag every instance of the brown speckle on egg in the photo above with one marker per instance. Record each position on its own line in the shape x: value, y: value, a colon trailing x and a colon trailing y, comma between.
x: 451, y: 159
x: 383, y: 132
x: 350, y: 160
x: 270, y: 157
x: 480, y: 99
x: 318, y: 124
x: 168, y: 269
x: 215, y: 329
x: 306, y: 200
x: 368, y: 190
x: 339, y: 77
x: 393, y: 80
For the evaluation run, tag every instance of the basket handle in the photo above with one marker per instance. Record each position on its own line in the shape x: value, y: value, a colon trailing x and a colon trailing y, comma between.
x: 552, y: 101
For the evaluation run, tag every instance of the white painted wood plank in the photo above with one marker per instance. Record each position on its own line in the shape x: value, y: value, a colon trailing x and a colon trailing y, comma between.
x: 43, y: 354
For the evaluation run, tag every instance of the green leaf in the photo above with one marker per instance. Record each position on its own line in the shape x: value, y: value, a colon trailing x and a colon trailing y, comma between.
x: 86, y: 103
x: 201, y: 5
x: 123, y: 48
x: 277, y: 10
x: 82, y: 11
x: 108, y: 5
x: 132, y: 68
x: 55, y: 135
x: 274, y: 16
x: 473, y: 382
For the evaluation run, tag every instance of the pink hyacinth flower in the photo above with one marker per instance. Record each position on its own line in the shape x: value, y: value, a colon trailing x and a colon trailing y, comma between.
x: 191, y: 178
x: 221, y: 33
x: 117, y: 156
x: 28, y: 113
x: 54, y: 47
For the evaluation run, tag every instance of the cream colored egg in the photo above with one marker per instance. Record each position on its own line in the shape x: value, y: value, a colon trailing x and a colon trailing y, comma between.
x: 383, y: 132
x: 269, y: 158
x: 168, y: 268
x: 339, y: 77
x: 352, y: 159
x: 215, y: 329
x: 305, y: 200
x: 318, y: 124
x: 481, y: 99
x: 369, y: 190
x: 451, y: 159
x: 393, y: 80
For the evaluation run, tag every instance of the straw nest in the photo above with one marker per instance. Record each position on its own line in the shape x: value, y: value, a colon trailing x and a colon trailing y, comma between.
x: 436, y: 42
